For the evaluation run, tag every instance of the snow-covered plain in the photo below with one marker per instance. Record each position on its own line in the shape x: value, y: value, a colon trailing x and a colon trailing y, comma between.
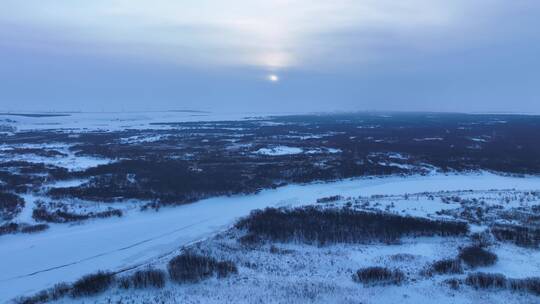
x: 65, y: 158
x: 114, y: 121
x: 31, y: 263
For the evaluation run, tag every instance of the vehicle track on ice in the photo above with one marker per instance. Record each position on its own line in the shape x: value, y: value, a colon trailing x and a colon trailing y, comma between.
x: 111, y: 251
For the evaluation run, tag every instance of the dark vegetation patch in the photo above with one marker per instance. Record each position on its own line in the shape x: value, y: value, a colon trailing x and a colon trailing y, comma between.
x: 447, y: 266
x: 34, y: 151
x: 329, y: 199
x: 149, y: 278
x: 34, y: 228
x: 40, y: 297
x: 482, y: 239
x: 519, y: 235
x: 10, y: 205
x: 196, y: 160
x: 42, y: 213
x: 88, y: 285
x: 453, y: 283
x: 402, y: 257
x: 92, y: 284
x: 480, y: 280
x: 192, y: 268
x: 21, y: 176
x: 167, y: 181
x: 276, y: 250
x: 57, y: 292
x: 379, y: 276
x: 475, y: 256
x: 315, y: 225
x: 9, y: 228
x: 531, y: 285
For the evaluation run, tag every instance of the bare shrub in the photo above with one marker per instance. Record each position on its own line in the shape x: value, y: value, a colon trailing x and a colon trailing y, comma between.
x: 24, y: 228
x: 226, y: 268
x: 250, y: 239
x: 9, y: 228
x: 531, y: 285
x: 10, y: 205
x: 124, y: 282
x: 276, y: 250
x: 481, y: 280
x: 60, y: 216
x: 379, y: 276
x: 475, y: 256
x: 453, y: 283
x: 92, y: 284
x: 191, y: 268
x: 148, y: 278
x: 34, y: 228
x: 59, y: 290
x: 447, y: 266
x: 56, y: 292
x: 519, y: 235
x: 40, y: 297
x: 329, y: 199
x: 402, y: 257
x: 482, y: 239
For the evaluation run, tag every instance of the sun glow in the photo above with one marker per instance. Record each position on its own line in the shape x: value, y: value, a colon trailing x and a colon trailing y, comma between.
x: 273, y: 34
x: 273, y: 78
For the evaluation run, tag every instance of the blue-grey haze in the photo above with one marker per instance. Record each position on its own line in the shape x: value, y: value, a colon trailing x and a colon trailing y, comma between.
x: 430, y: 55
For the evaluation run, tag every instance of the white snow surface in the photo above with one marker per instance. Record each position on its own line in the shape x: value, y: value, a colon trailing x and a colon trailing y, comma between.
x: 70, y: 160
x: 286, y: 150
x: 114, y: 121
x: 64, y: 253
x: 279, y: 151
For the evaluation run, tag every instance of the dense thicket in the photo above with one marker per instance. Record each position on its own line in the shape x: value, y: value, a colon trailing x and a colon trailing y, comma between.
x: 33, y: 228
x: 447, y: 266
x: 10, y: 205
x: 322, y: 226
x: 475, y: 256
x: 379, y: 276
x: 154, y: 278
x: 23, y: 228
x: 20, y: 176
x: 486, y: 280
x: 56, y: 292
x: 482, y: 280
x: 92, y: 284
x: 167, y: 181
x: 88, y: 285
x: 519, y: 235
x: 190, y: 268
x: 61, y: 216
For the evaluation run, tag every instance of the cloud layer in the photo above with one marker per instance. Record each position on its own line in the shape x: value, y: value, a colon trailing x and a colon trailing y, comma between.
x: 357, y: 46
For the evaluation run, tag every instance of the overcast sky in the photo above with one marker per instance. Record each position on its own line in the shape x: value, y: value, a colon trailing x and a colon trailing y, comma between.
x: 274, y: 55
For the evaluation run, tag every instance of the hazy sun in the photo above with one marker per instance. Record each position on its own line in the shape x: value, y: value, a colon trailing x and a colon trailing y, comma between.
x: 273, y: 78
